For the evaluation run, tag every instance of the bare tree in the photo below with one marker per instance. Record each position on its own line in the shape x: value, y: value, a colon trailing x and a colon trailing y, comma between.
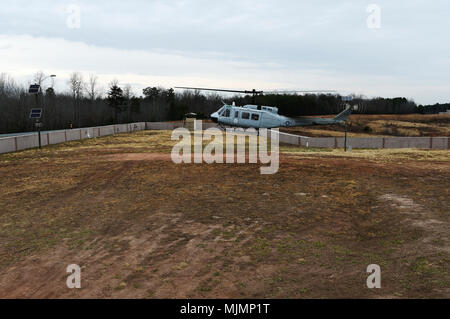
x: 39, y: 77
x: 114, y: 82
x: 9, y: 87
x: 127, y: 91
x: 128, y: 94
x: 76, y: 85
x: 92, y: 88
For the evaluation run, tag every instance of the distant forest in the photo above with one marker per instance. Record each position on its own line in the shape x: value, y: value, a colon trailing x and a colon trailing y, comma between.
x: 85, y: 104
x: 433, y: 109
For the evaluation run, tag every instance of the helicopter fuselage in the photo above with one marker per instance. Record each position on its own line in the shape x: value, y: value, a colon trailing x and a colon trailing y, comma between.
x: 255, y: 116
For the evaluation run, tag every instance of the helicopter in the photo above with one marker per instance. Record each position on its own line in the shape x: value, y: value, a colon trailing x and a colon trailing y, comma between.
x: 259, y: 116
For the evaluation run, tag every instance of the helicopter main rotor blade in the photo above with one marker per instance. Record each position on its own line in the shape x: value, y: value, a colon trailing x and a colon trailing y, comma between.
x: 300, y: 91
x: 254, y: 92
x: 220, y: 90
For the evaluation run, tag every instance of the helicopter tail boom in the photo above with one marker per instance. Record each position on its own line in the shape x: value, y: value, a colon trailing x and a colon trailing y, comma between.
x: 341, y: 117
x: 344, y: 114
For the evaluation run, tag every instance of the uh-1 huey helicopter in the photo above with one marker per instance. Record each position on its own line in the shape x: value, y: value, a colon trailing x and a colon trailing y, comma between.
x: 258, y: 116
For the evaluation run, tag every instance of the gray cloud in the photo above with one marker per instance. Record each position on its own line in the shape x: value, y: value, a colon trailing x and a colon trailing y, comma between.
x: 325, y: 36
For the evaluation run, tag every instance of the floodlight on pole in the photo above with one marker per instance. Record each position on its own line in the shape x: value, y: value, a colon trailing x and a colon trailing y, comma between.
x: 37, y: 112
x: 53, y: 76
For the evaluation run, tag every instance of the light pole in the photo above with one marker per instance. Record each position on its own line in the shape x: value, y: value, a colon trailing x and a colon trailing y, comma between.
x: 38, y: 90
x: 345, y: 137
x: 53, y: 76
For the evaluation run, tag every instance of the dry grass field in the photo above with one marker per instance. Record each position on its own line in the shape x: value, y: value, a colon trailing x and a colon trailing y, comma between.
x: 383, y: 125
x: 141, y: 226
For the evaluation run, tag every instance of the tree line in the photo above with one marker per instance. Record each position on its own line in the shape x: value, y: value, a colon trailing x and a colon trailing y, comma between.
x: 87, y: 104
x: 433, y: 109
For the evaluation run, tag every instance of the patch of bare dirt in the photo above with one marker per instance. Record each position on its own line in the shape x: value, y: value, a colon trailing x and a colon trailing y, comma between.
x: 176, y: 260
x: 417, y: 216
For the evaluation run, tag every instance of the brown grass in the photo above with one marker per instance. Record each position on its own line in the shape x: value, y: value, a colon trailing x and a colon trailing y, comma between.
x: 383, y: 125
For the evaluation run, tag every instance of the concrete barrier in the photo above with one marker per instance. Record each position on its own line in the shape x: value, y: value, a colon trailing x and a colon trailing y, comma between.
x: 163, y: 125
x: 26, y: 141
x: 72, y: 135
x: 22, y: 142
x: 323, y: 142
x: 138, y: 126
x: 87, y: 132
x: 96, y: 131
x: 407, y: 142
x: 440, y: 143
x: 289, y: 138
x: 304, y: 141
x: 8, y: 145
x: 360, y: 142
x: 371, y: 142
x: 121, y: 128
x: 58, y: 137
x: 174, y: 125
x: 106, y: 130
x: 133, y: 127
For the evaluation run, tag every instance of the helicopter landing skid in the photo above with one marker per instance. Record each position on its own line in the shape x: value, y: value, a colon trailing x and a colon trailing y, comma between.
x: 221, y: 127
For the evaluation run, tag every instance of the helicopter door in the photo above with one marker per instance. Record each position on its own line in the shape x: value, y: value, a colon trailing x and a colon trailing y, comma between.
x: 226, y: 116
x: 244, y: 121
x: 236, y: 118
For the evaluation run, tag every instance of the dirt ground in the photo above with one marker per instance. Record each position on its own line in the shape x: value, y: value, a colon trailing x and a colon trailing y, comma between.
x: 141, y: 226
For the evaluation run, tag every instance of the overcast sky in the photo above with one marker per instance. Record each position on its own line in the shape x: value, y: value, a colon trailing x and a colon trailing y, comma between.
x: 395, y: 48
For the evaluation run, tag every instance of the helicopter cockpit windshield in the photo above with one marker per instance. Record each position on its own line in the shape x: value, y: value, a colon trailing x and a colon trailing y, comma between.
x: 224, y: 111
x: 220, y: 111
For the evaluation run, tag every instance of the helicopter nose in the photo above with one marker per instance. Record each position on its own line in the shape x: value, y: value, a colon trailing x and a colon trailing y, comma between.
x: 214, y: 117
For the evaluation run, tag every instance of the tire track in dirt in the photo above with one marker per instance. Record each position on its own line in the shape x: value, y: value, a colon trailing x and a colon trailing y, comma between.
x: 419, y: 217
